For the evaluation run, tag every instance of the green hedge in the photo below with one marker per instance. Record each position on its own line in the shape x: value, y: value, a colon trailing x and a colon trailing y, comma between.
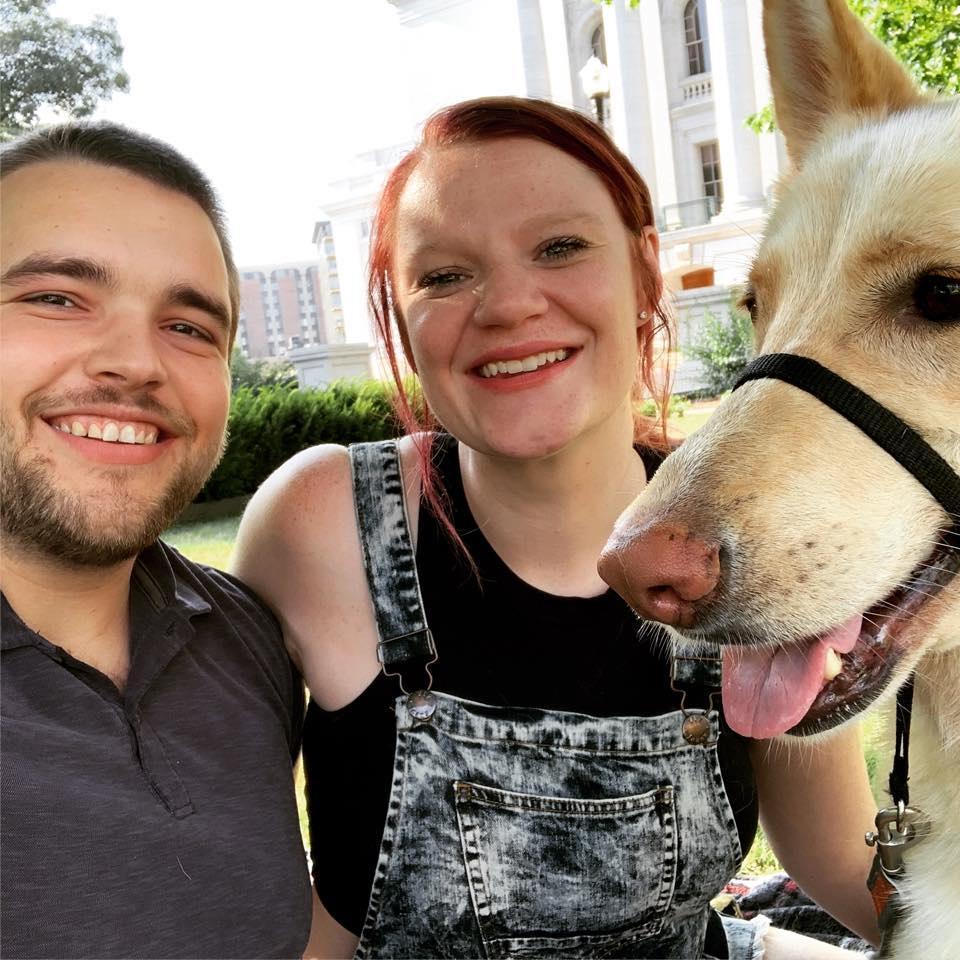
x: 270, y: 425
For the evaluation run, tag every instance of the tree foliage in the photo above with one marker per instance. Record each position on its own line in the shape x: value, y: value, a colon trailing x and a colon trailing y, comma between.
x: 48, y: 61
x: 924, y: 35
x: 724, y: 347
x: 259, y: 374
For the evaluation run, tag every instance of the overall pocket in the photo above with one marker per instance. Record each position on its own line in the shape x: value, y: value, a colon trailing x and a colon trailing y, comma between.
x: 559, y: 876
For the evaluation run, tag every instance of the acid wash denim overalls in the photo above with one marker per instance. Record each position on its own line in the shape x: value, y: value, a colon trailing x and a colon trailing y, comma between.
x: 519, y: 832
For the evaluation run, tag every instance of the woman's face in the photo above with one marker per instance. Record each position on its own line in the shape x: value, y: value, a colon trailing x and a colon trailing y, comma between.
x: 520, y: 288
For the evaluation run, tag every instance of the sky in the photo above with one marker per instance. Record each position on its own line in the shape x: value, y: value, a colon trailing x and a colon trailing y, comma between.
x: 271, y: 99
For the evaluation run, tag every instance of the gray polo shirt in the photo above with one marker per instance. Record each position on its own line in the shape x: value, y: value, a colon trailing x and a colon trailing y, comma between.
x: 160, y: 822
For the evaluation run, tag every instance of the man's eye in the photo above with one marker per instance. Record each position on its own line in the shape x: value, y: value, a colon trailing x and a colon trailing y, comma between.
x: 51, y: 300
x: 439, y: 278
x: 561, y: 248
x: 190, y: 330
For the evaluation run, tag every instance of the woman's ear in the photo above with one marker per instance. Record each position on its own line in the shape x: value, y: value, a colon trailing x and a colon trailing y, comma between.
x: 648, y: 279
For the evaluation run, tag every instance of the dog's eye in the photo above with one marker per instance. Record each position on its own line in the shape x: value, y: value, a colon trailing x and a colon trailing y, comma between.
x: 937, y: 298
x: 748, y: 302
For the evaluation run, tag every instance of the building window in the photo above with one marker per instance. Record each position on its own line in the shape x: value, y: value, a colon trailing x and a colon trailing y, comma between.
x: 598, y: 44
x: 693, y: 38
x: 712, y: 178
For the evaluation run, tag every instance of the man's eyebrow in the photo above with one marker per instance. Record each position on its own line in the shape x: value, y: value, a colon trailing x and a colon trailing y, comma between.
x: 186, y: 295
x: 76, y: 268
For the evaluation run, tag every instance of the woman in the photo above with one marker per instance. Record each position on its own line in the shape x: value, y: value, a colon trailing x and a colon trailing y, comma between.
x: 513, y: 776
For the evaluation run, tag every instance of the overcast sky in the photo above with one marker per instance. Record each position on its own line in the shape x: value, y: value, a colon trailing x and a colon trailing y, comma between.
x: 270, y: 99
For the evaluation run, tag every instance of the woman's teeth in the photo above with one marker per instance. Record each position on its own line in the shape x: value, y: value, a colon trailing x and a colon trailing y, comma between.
x: 525, y: 365
x: 110, y: 431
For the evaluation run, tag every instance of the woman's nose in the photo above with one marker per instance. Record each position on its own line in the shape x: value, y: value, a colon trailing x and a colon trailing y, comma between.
x: 509, y: 295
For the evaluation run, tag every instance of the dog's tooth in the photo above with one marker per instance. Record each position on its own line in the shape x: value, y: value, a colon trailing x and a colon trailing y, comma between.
x: 833, y: 666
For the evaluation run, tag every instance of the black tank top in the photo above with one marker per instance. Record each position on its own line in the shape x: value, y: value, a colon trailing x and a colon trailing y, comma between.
x: 499, y: 641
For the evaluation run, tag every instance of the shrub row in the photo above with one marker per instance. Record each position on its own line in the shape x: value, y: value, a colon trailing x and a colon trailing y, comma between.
x: 270, y: 424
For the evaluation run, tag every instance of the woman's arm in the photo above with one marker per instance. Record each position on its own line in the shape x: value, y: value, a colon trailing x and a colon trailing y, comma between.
x: 815, y: 806
x: 298, y: 547
x: 328, y: 940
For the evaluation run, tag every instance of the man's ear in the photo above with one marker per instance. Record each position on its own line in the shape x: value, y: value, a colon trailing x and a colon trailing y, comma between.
x: 823, y: 63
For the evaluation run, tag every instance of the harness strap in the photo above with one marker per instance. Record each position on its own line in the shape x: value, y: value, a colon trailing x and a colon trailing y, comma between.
x: 883, y: 427
x: 900, y: 774
x: 405, y: 647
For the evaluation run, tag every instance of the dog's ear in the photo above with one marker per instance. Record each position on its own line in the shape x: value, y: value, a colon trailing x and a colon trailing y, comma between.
x: 824, y: 62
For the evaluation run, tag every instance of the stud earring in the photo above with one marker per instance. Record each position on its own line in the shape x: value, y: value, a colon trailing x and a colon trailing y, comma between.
x: 643, y: 314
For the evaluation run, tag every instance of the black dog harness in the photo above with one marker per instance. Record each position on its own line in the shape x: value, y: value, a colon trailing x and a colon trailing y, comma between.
x: 884, y: 428
x: 900, y: 826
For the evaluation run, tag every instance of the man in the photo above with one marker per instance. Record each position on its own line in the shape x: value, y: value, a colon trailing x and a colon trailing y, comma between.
x: 150, y: 713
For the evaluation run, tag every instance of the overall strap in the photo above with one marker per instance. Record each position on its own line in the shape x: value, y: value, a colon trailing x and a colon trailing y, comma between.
x: 406, y: 645
x: 697, y: 678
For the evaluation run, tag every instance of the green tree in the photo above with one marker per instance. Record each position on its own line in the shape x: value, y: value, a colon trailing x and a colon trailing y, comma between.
x: 923, y: 34
x: 724, y: 347
x: 258, y: 374
x: 48, y: 61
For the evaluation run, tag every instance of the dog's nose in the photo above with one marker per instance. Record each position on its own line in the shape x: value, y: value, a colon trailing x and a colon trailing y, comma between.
x: 662, y: 571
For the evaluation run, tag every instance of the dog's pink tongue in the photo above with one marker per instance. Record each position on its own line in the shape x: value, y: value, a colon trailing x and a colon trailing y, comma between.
x: 766, y: 692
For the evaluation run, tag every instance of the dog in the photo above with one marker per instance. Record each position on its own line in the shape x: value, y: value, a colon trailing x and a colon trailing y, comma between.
x: 780, y: 529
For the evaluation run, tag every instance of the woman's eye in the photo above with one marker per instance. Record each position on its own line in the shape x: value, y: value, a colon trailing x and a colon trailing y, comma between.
x: 937, y: 298
x: 562, y: 247
x: 439, y: 278
x: 51, y: 300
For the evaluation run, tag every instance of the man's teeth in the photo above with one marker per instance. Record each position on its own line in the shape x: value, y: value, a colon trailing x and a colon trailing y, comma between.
x: 110, y: 431
x: 833, y: 665
x: 526, y: 365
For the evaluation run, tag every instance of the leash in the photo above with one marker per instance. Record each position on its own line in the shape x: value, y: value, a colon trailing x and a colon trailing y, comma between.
x: 901, y: 826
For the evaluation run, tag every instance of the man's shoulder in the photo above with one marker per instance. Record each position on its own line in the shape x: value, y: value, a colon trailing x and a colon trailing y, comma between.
x: 197, y: 584
x: 219, y: 604
x: 231, y: 620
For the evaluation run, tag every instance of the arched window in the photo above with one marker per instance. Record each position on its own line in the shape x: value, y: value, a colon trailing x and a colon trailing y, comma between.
x: 694, y: 40
x: 598, y: 44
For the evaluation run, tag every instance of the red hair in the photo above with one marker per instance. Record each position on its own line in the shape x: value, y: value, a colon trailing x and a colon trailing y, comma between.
x: 492, y: 118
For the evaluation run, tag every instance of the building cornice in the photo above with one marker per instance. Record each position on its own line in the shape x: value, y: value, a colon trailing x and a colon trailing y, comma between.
x: 410, y: 11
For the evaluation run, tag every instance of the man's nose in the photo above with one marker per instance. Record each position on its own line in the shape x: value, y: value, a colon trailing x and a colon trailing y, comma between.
x: 662, y: 570
x: 508, y: 295
x: 125, y: 352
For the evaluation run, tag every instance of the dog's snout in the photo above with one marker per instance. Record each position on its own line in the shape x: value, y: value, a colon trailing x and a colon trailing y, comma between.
x: 662, y: 571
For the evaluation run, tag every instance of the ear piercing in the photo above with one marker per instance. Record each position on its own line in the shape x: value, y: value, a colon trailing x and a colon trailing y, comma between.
x: 642, y: 315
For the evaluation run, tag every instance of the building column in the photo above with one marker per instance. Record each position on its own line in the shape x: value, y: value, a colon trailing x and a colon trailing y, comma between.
x: 734, y: 100
x: 770, y: 166
x: 351, y: 266
x: 556, y: 46
x: 639, y: 108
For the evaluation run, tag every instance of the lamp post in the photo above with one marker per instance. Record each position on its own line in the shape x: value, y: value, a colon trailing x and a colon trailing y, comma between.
x: 595, y: 84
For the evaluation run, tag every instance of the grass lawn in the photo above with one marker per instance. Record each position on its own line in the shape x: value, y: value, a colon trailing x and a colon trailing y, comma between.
x: 211, y: 542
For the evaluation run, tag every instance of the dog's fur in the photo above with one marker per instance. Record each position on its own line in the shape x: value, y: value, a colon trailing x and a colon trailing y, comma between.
x: 817, y: 522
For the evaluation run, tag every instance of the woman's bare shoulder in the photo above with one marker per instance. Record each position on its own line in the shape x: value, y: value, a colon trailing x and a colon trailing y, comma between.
x: 298, y: 547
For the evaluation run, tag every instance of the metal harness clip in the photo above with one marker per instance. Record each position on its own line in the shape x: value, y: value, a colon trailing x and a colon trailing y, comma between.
x: 898, y: 829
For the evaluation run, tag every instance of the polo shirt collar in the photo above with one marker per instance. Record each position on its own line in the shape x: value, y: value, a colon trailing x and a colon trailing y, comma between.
x: 155, y: 575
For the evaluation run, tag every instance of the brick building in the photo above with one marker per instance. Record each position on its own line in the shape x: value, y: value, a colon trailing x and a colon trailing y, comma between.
x: 281, y: 308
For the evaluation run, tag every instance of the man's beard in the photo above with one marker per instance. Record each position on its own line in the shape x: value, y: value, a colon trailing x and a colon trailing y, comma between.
x: 40, y: 517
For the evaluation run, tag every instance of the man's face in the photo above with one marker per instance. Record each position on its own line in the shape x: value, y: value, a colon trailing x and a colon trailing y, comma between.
x: 113, y: 357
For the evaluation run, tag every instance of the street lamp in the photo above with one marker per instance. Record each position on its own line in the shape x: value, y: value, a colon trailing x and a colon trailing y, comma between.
x: 595, y: 84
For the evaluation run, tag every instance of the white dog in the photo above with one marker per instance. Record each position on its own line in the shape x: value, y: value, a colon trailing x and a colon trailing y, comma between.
x: 780, y: 528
